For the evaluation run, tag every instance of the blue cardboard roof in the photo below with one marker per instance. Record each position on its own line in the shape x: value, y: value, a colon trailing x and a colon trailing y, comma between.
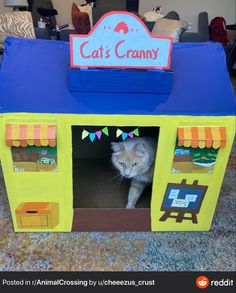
x: 34, y: 78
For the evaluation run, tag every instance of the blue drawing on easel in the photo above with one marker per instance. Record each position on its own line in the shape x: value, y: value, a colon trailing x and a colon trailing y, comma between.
x: 185, y: 198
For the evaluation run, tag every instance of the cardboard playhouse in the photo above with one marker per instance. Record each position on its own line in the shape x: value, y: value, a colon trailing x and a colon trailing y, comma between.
x: 62, y: 106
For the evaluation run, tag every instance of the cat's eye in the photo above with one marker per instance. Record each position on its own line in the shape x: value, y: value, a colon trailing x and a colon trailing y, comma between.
x: 121, y: 163
x: 135, y: 164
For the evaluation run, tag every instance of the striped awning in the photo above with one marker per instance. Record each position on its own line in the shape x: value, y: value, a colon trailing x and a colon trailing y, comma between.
x: 30, y: 134
x: 202, y: 137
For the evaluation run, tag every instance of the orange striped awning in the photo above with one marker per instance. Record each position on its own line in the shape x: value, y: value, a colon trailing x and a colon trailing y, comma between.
x: 202, y: 137
x: 30, y: 134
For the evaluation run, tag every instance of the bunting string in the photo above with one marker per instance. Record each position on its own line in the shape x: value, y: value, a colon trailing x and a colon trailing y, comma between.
x: 104, y: 131
x: 93, y: 135
x: 126, y: 135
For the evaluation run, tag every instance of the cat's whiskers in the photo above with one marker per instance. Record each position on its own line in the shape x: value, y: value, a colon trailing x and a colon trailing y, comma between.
x: 120, y: 181
x: 113, y: 172
x: 115, y: 178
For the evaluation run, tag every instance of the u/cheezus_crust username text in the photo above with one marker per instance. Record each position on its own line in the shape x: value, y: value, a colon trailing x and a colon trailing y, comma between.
x: 78, y: 282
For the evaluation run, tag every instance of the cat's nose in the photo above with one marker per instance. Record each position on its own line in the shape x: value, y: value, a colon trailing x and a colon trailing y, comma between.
x: 127, y: 172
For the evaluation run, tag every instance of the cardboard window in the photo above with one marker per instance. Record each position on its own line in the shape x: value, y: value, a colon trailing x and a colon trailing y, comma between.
x: 197, y: 148
x: 34, y: 159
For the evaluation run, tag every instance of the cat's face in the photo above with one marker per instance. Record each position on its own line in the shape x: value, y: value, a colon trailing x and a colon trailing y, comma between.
x: 130, y: 159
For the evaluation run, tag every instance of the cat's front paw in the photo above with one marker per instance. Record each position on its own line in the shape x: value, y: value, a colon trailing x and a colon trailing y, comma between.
x: 130, y: 206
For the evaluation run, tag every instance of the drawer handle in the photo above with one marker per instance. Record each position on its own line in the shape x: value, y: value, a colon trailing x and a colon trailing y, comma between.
x: 31, y: 212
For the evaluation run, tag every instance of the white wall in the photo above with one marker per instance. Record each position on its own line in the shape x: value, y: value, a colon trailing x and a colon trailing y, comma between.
x: 189, y: 9
x: 64, y: 10
x: 4, y: 9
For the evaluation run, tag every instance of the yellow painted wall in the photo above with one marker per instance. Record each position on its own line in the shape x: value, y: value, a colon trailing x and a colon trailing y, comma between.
x: 58, y: 187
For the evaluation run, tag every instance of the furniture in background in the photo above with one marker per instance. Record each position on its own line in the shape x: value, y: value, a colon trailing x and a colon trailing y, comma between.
x: 231, y: 52
x: 34, y: 5
x: 203, y: 30
x: 33, y: 8
x: 16, y: 24
x: 42, y: 33
x: 189, y: 37
x: 169, y: 27
x: 46, y: 17
x: 24, y: 5
x: 203, y: 26
x: 102, y: 7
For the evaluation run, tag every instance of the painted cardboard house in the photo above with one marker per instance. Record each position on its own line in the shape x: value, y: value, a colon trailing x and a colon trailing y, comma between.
x: 55, y: 138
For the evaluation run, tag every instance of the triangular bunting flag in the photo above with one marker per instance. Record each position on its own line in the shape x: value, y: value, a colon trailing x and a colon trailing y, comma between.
x: 85, y: 134
x: 118, y: 132
x: 136, y: 132
x: 124, y: 135
x: 105, y: 131
x: 131, y: 135
x: 92, y: 136
x: 99, y: 134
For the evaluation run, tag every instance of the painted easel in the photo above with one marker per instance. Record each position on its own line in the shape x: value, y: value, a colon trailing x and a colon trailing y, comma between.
x: 179, y: 217
x: 180, y: 212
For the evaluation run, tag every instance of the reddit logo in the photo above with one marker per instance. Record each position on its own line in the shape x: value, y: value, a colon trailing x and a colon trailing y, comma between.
x: 202, y: 282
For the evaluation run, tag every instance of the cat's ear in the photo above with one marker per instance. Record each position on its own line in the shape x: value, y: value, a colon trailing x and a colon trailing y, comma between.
x: 117, y: 147
x: 140, y: 149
